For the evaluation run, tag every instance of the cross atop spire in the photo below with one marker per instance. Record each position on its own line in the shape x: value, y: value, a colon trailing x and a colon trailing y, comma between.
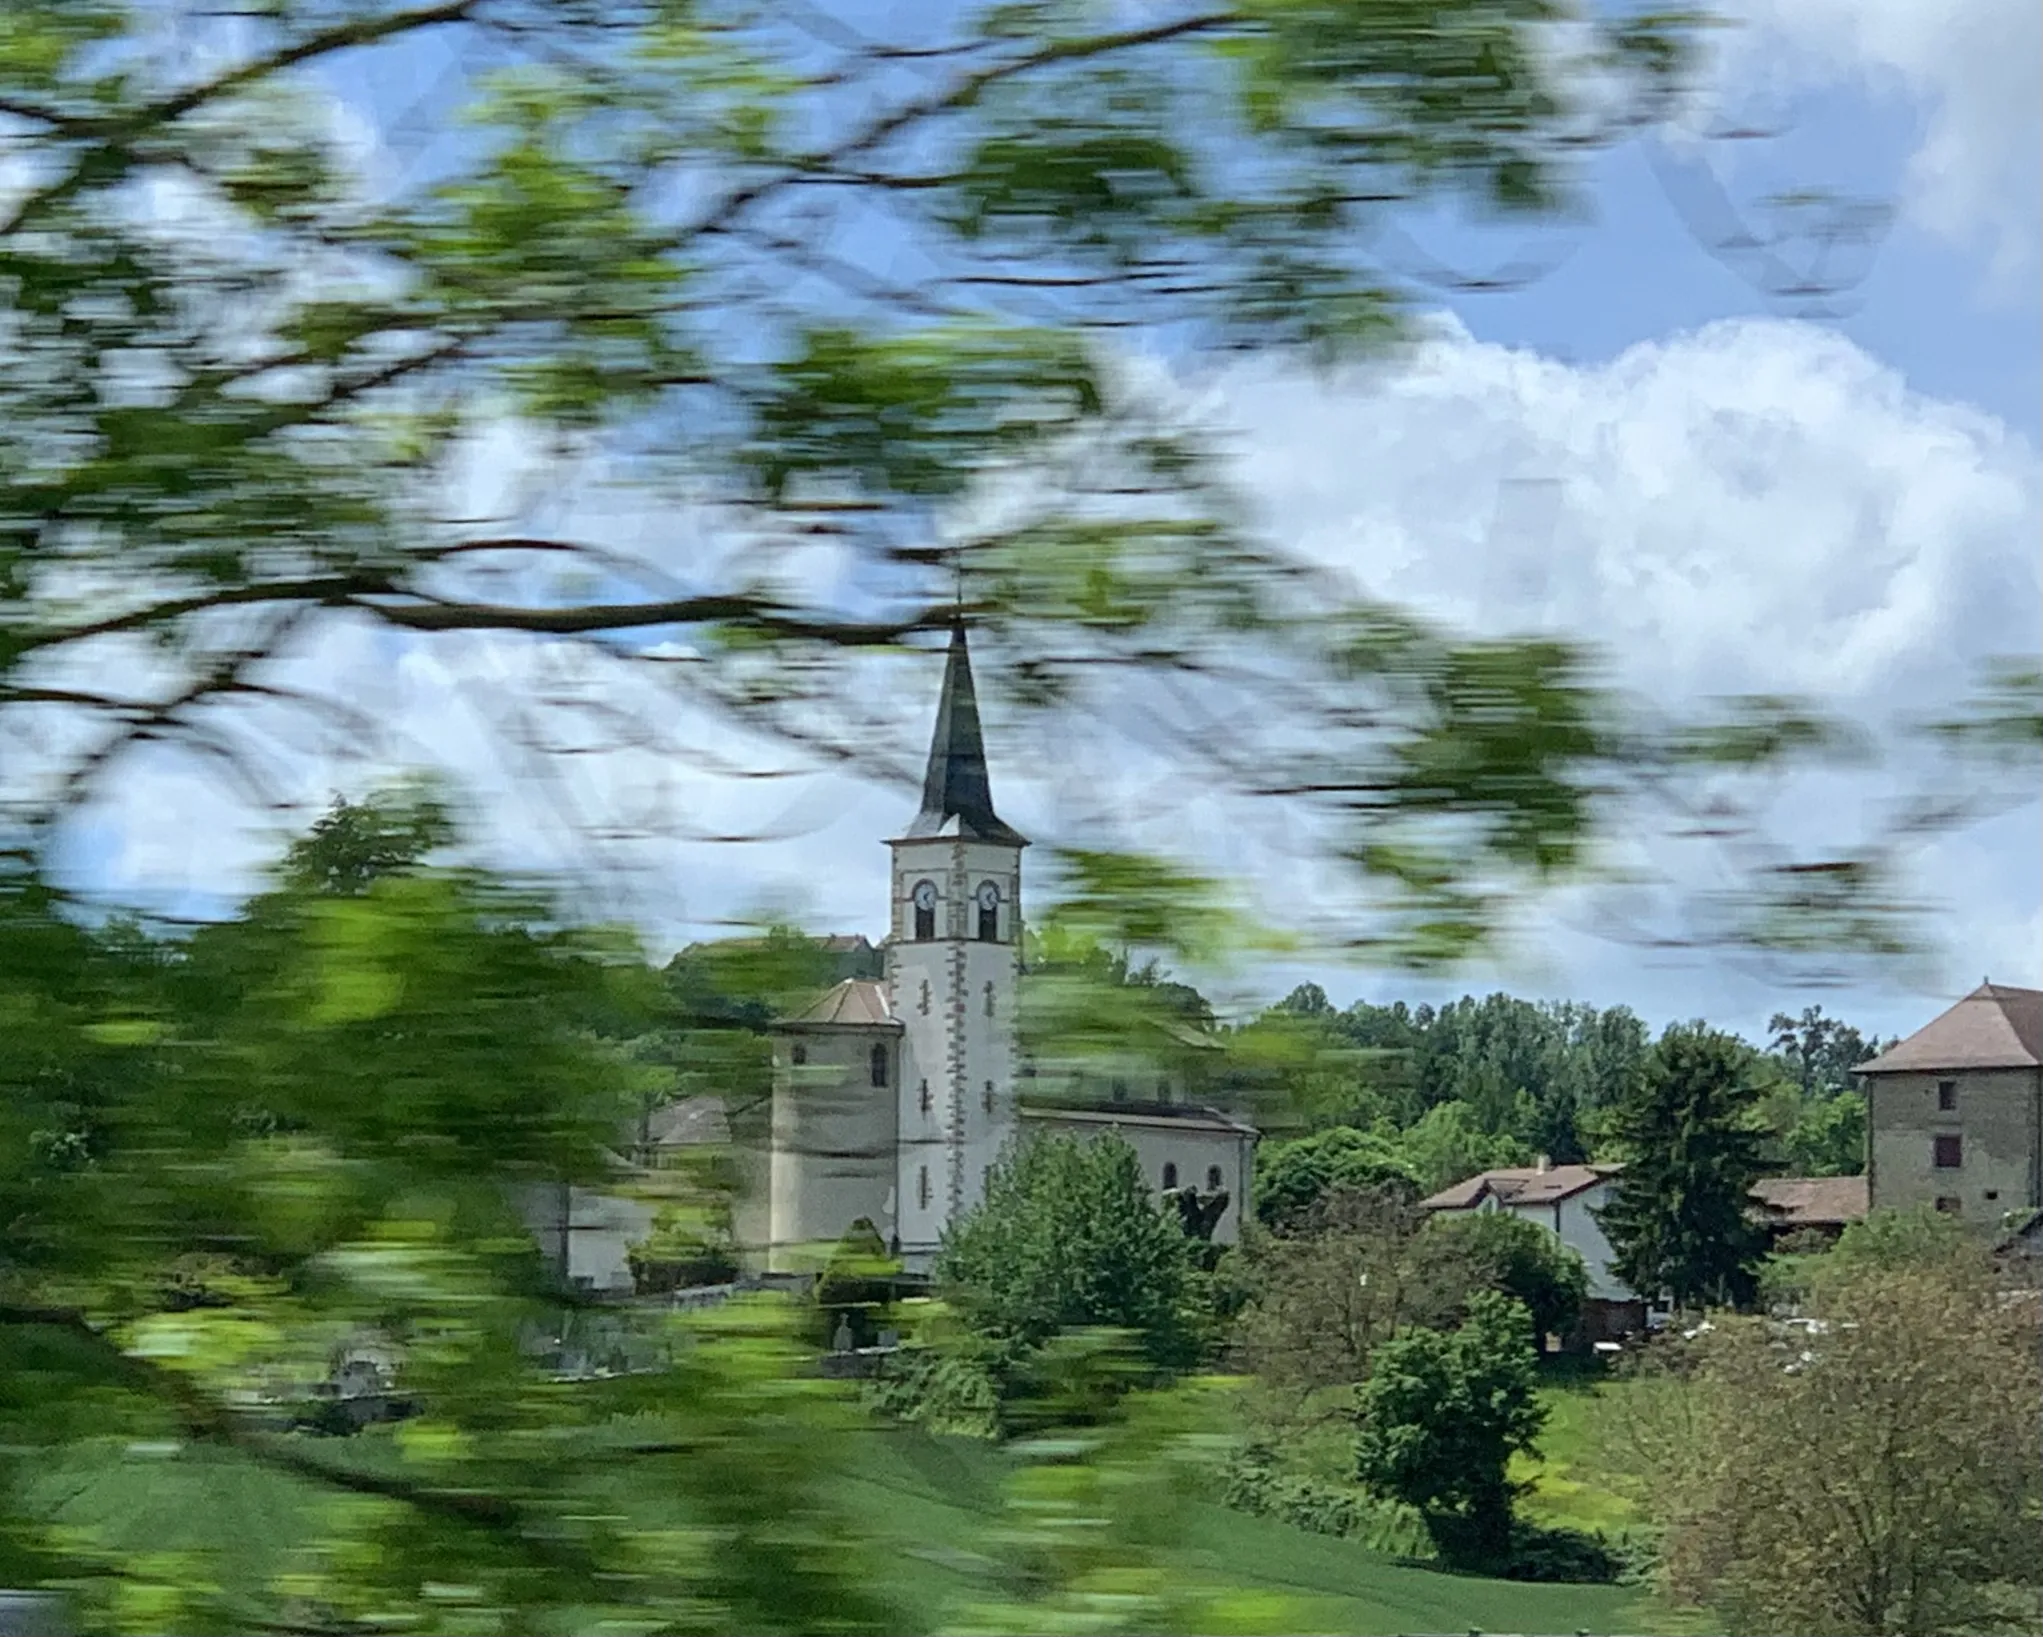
x: 957, y: 796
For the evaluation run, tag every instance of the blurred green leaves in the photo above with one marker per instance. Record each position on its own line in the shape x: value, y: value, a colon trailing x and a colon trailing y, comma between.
x: 902, y: 296
x: 922, y: 414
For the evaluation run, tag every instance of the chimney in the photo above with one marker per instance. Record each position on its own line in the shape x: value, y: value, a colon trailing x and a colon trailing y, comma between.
x: 1540, y: 1165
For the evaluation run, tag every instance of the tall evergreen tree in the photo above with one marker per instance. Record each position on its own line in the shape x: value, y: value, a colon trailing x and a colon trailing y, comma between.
x: 1680, y: 1220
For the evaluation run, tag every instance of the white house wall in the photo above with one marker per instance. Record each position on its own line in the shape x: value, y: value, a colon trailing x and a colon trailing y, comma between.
x: 1582, y: 1233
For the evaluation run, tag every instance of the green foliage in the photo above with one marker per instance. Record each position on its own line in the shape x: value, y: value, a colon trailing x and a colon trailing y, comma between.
x: 857, y: 1286
x: 1441, y: 1416
x: 683, y: 1251
x: 1680, y: 1216
x: 1468, y: 1086
x: 355, y: 843
x: 1069, y: 1237
x: 1877, y: 1472
x: 420, y: 1051
x: 1496, y: 1251
x: 1897, y: 1240
x: 1567, y: 1556
x: 1257, y: 1485
x: 322, y: 339
x: 1828, y: 1138
x: 1821, y: 1051
x: 1448, y: 1145
x: 1291, y: 1177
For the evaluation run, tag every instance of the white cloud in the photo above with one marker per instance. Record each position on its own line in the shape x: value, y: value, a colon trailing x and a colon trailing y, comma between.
x: 1755, y: 505
x: 1971, y: 69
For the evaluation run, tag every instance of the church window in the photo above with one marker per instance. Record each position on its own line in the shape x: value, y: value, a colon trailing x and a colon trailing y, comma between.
x: 989, y: 912
x: 925, y: 911
x: 799, y: 1055
x: 989, y: 1000
x: 879, y: 1065
x: 922, y: 1187
x: 927, y: 1101
x: 1214, y: 1179
x: 1170, y: 1174
x: 987, y: 1097
x: 925, y: 997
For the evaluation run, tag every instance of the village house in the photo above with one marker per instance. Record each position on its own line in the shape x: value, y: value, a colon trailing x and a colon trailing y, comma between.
x: 1567, y: 1200
x: 1954, y: 1113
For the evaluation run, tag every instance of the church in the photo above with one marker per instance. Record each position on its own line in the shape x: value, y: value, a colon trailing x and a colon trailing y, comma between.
x: 895, y: 1091
x: 894, y: 1095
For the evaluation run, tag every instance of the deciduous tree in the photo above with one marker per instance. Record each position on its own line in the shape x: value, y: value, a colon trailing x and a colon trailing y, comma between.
x: 1878, y: 1476
x: 1441, y: 1416
x: 1494, y: 1250
x: 1070, y: 1237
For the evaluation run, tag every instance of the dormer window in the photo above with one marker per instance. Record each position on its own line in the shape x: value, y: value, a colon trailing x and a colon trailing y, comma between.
x: 925, y: 911
x: 989, y: 912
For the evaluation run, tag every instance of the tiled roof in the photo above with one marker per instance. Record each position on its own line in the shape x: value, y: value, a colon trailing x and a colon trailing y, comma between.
x: 1811, y: 1202
x: 1995, y: 1027
x: 1521, y: 1185
x: 689, y: 1122
x: 854, y: 1003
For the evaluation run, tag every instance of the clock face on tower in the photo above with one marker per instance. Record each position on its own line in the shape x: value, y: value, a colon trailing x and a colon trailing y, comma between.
x: 925, y: 895
x: 989, y: 896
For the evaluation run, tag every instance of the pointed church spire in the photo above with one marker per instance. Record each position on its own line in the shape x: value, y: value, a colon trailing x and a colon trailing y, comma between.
x: 957, y: 796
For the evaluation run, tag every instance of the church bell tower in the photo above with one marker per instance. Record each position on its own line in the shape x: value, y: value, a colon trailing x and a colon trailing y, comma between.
x: 953, y: 969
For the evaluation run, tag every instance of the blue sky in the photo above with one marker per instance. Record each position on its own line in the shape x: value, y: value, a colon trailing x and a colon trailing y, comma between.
x: 1747, y: 491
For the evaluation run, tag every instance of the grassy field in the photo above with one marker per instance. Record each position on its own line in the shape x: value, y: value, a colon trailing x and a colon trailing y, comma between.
x: 1569, y: 1475
x: 932, y: 1499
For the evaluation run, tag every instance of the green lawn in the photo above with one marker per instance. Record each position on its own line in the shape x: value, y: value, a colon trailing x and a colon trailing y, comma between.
x: 1569, y: 1475
x: 932, y: 1498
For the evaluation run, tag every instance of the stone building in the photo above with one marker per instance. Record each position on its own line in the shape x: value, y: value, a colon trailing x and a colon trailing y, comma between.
x: 1954, y: 1113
